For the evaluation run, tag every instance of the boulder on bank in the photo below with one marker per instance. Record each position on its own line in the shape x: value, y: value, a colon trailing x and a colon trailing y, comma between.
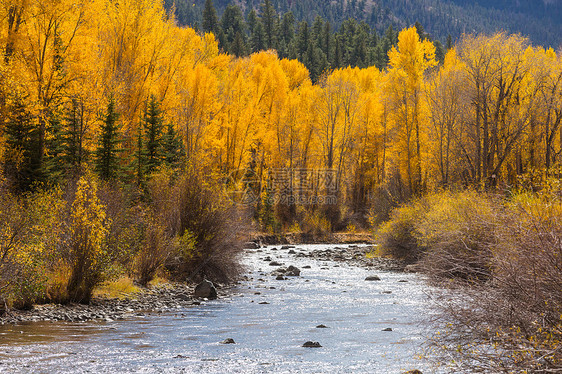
x: 251, y: 245
x: 205, y: 289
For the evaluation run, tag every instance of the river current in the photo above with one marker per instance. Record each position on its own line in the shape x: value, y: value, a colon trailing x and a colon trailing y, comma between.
x: 268, y: 319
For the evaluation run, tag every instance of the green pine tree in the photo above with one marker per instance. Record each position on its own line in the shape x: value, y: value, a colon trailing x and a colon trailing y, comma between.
x: 269, y: 20
x: 74, y: 136
x: 258, y: 37
x: 153, y: 125
x: 172, y: 147
x: 108, y: 149
x: 54, y: 166
x: 210, y: 18
x: 23, y: 161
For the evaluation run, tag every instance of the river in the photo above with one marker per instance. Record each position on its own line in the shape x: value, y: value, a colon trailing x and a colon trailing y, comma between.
x: 268, y: 319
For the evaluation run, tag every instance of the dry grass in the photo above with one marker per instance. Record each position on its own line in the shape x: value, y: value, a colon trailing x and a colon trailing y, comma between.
x: 120, y: 288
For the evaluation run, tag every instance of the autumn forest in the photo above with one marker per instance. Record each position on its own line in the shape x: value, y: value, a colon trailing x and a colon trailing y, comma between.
x: 127, y: 142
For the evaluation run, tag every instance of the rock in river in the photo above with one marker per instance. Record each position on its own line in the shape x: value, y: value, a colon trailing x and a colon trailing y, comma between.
x: 310, y: 344
x: 373, y: 278
x: 293, y: 271
x: 228, y: 341
x: 206, y: 289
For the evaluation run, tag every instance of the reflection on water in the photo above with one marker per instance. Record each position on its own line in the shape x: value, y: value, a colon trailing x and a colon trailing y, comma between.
x: 268, y: 336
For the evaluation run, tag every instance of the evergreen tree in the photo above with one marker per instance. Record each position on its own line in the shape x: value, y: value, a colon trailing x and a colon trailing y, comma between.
x: 337, y: 61
x: 327, y: 41
x: 153, y: 131
x: 439, y: 51
x: 421, y: 32
x: 317, y: 31
x: 252, y: 20
x: 210, y: 18
x: 54, y: 165
x: 258, y: 37
x: 74, y: 137
x: 449, y: 44
x: 23, y: 159
x: 287, y: 30
x: 172, y: 147
x: 233, y: 27
x: 302, y: 40
x: 238, y: 47
x: 65, y: 143
x: 107, y: 151
x: 269, y: 20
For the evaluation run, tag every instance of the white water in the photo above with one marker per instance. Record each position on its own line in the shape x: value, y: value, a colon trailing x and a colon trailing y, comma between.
x: 268, y: 336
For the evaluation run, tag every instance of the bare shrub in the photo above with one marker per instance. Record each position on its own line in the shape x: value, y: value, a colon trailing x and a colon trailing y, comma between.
x: 155, y: 250
x: 314, y: 223
x: 385, y: 198
x: 209, y: 228
x: 127, y: 217
x: 503, y: 262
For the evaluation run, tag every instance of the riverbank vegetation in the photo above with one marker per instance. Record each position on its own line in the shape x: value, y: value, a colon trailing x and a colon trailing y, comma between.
x: 131, y: 146
x: 501, y: 255
x: 59, y: 245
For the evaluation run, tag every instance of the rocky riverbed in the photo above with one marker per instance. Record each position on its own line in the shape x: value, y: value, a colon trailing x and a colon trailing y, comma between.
x: 171, y: 296
x: 147, y: 301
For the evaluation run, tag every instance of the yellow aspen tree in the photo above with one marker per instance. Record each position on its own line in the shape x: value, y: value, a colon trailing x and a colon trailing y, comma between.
x: 43, y: 45
x: 496, y: 71
x: 408, y: 64
x: 89, y: 256
x: 367, y: 145
x: 447, y: 134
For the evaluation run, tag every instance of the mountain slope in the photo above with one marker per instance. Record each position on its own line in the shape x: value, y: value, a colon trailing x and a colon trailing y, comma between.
x: 540, y: 20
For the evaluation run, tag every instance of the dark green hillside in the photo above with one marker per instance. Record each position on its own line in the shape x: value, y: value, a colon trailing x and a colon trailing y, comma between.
x: 540, y: 20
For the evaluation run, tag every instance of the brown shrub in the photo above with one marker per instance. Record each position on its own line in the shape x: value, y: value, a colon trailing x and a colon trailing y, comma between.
x: 210, y: 228
x: 155, y: 250
x: 503, y: 261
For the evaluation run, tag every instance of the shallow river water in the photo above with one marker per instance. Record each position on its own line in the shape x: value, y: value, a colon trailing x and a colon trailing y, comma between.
x: 268, y: 337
